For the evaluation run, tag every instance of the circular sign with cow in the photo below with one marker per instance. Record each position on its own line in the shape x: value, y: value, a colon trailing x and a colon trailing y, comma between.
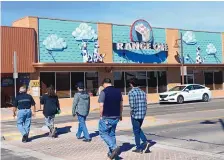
x: 141, y: 31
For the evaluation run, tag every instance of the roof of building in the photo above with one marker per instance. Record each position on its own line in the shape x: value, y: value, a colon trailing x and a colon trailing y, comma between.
x: 111, y: 23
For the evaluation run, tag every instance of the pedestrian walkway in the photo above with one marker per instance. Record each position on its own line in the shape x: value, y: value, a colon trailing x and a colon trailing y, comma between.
x: 67, y: 147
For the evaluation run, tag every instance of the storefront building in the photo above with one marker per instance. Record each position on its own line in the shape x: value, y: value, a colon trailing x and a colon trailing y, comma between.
x: 21, y: 40
x: 71, y: 51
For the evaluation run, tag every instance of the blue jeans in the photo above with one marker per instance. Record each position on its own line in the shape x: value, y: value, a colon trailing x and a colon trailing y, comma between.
x: 139, y: 135
x: 107, y: 128
x: 49, y: 121
x: 24, y: 121
x: 82, y: 127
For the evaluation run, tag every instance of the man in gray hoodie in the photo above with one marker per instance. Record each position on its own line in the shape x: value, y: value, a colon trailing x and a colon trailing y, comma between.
x: 80, y: 107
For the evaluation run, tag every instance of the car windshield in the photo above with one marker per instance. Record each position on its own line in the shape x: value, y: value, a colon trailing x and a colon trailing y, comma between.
x: 177, y: 88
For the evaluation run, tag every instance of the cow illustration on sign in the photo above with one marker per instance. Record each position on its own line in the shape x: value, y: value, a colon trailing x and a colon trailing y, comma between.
x: 143, y: 32
x: 54, y: 43
x: 87, y: 35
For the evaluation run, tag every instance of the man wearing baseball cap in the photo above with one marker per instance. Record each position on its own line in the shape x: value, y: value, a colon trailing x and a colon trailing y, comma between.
x: 23, y: 103
x: 111, y: 108
x: 81, y: 107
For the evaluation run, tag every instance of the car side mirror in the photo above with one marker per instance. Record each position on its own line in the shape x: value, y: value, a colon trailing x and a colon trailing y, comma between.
x: 186, y: 90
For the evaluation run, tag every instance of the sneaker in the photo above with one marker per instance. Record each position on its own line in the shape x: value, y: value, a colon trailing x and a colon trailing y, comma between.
x: 115, y: 152
x: 146, y: 146
x: 137, y: 151
x: 86, y: 140
x: 24, y: 139
x: 52, y: 132
x: 109, y: 155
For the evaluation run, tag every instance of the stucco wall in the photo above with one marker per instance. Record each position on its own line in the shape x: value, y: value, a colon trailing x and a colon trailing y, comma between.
x: 171, y: 37
x: 105, y: 41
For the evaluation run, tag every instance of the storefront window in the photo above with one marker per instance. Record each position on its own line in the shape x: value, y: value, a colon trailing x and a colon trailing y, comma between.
x: 46, y: 79
x: 162, y: 81
x: 23, y: 79
x: 209, y: 79
x: 198, y: 77
x: 128, y: 77
x: 119, y: 81
x: 91, y: 82
x: 141, y: 76
x: 75, y: 78
x: 63, y: 84
x: 152, y: 82
x: 218, y: 80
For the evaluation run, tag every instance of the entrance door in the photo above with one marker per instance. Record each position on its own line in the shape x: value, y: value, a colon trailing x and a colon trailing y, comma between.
x: 190, y: 79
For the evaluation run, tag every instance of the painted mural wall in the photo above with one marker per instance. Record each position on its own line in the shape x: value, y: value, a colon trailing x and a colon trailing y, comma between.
x: 68, y: 42
x: 129, y: 54
x: 201, y: 47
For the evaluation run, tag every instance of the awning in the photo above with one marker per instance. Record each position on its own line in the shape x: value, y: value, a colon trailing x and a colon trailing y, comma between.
x: 123, y: 65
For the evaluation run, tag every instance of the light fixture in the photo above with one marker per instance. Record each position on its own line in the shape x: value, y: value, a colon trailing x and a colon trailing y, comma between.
x: 176, y: 44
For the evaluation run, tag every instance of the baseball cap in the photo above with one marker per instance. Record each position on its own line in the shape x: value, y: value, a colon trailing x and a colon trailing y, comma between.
x: 80, y: 85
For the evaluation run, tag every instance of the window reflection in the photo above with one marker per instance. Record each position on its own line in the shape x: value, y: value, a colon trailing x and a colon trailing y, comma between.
x: 63, y: 84
x: 91, y: 83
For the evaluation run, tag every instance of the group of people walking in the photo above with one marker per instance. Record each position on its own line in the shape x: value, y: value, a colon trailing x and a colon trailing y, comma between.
x: 111, y: 108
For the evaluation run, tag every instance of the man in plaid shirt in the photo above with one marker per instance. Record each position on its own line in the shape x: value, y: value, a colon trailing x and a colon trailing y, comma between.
x: 138, y: 105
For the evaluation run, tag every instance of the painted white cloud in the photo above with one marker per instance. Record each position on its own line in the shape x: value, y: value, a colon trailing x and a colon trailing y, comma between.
x: 53, y: 42
x: 84, y: 32
x: 189, y: 38
x: 211, y: 49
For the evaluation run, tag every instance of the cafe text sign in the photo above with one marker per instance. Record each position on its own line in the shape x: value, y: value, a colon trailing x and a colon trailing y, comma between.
x: 142, y: 46
x: 141, y: 38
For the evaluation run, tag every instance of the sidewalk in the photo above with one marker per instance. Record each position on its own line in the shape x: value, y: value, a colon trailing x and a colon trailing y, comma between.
x: 67, y: 147
x: 123, y: 125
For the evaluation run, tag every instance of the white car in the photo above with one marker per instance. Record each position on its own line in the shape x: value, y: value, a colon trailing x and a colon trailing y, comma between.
x: 188, y: 92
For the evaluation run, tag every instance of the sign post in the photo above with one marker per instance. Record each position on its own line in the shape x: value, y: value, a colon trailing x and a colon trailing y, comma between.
x: 15, y: 73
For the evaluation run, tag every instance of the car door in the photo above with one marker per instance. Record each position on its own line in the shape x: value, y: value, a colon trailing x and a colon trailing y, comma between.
x: 189, y: 95
x: 199, y: 90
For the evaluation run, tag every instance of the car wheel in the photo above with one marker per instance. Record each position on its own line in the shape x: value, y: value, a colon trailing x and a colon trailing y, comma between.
x: 205, y: 97
x: 180, y: 99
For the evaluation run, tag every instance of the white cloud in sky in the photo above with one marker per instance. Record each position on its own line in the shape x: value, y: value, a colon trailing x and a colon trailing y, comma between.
x: 84, y: 32
x: 189, y: 38
x: 211, y: 49
x: 52, y: 42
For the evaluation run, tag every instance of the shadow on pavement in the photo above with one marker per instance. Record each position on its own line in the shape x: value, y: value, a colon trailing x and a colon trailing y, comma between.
x: 38, y: 136
x: 95, y: 134
x: 208, y: 122
x: 183, y: 139
x: 171, y: 103
x: 63, y: 130
x: 222, y: 123
x: 60, y: 131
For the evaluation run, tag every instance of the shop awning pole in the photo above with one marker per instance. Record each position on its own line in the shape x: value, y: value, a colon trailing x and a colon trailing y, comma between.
x: 15, y: 73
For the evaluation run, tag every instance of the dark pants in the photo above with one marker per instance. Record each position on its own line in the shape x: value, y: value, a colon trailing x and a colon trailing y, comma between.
x: 139, y: 135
